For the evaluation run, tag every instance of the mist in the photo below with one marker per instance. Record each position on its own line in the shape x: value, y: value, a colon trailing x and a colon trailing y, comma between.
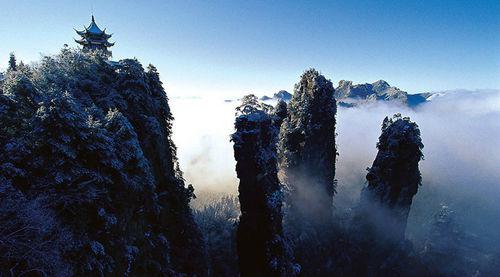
x: 201, y: 132
x: 461, y: 134
x: 460, y: 131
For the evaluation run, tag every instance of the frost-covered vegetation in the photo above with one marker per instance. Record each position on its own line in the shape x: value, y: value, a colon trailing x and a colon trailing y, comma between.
x: 368, y: 240
x: 90, y: 185
x: 89, y: 182
x: 261, y: 246
x: 217, y: 217
x: 307, y: 150
x: 393, y: 179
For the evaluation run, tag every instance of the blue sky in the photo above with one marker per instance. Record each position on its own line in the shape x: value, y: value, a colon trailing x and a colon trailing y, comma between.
x: 235, y: 47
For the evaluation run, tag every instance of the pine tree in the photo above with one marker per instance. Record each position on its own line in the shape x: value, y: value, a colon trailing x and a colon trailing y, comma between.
x: 94, y: 141
x: 260, y: 243
x: 12, y: 62
x: 308, y: 152
x: 217, y: 220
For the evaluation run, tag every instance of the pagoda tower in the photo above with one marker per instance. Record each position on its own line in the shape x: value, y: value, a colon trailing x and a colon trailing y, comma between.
x: 93, y: 38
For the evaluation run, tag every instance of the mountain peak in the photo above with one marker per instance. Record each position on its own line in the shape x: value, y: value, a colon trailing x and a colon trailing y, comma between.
x: 381, y: 82
x: 280, y: 95
x: 345, y: 83
x: 283, y: 95
x: 379, y: 90
x: 380, y: 85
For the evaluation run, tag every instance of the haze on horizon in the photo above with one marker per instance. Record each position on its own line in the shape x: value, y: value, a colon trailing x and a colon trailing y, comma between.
x: 227, y: 49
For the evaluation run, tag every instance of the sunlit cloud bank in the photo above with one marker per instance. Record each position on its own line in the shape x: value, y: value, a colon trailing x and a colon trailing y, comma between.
x: 461, y: 134
x: 201, y: 132
x: 460, y: 131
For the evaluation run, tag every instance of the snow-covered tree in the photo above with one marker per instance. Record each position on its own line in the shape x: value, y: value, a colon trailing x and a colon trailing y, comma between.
x: 149, y: 113
x: 281, y: 112
x: 218, y: 219
x: 261, y: 247
x: 12, y: 62
x: 308, y: 152
x: 32, y: 241
x: 93, y: 140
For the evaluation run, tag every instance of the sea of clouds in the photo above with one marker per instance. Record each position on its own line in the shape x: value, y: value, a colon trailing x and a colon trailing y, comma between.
x: 461, y: 168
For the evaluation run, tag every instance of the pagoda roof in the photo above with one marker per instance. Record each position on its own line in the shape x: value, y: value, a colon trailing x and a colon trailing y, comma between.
x: 101, y: 42
x: 93, y: 30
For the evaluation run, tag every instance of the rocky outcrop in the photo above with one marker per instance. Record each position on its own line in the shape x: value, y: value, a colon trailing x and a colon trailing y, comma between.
x: 307, y: 150
x: 260, y: 244
x: 393, y: 180
x: 281, y: 112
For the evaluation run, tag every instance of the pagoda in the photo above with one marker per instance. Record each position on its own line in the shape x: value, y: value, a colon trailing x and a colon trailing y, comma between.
x: 93, y: 38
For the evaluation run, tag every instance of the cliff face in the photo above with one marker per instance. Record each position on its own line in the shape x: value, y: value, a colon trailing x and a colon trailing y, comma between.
x: 307, y: 150
x: 280, y: 112
x: 393, y: 179
x: 91, y: 144
x: 260, y: 243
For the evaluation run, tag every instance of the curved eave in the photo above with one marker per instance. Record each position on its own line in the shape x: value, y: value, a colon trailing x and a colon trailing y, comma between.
x: 90, y: 42
x: 81, y: 33
x: 106, y: 35
x: 87, y: 34
x: 81, y: 41
x: 99, y: 41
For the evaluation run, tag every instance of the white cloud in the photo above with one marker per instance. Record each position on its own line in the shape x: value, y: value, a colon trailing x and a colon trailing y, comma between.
x: 460, y: 131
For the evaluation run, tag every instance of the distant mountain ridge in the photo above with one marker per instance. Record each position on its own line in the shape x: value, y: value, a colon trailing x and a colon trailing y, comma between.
x: 350, y: 95
x: 280, y: 95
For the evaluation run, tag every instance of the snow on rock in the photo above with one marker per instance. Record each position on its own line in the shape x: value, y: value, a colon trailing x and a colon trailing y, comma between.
x: 307, y: 150
x: 260, y: 244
